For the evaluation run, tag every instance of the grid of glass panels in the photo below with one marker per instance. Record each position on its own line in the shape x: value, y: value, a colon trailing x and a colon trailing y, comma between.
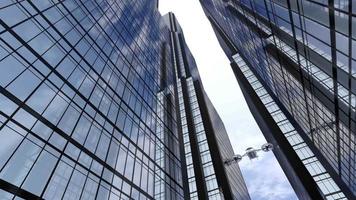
x: 233, y: 172
x: 325, y: 183
x: 187, y: 148
x: 163, y: 158
x: 209, y: 177
x: 323, y: 128
x: 310, y: 26
x: 80, y: 101
x: 194, y: 108
x: 204, y: 151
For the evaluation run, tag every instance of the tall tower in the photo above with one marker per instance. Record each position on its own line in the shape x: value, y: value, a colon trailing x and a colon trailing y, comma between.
x: 206, y: 143
x: 294, y: 61
x: 89, y: 103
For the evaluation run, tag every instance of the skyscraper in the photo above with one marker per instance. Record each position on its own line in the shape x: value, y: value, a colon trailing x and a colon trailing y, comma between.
x: 294, y: 61
x: 91, y: 106
x: 206, y: 143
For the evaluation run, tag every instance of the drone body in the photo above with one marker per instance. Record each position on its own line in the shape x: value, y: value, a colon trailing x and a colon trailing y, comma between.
x: 250, y: 153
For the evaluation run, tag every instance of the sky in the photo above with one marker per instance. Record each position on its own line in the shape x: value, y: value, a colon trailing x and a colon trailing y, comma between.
x: 216, y: 73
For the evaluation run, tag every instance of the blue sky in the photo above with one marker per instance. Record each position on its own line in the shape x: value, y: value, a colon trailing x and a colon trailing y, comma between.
x: 264, y: 177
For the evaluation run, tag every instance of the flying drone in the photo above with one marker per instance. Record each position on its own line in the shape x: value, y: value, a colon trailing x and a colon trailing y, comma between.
x: 250, y: 153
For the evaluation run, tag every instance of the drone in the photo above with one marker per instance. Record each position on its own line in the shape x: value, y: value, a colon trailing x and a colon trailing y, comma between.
x: 250, y: 153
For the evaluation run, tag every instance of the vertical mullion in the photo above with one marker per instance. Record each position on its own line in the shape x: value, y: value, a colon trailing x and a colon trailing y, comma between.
x: 331, y: 10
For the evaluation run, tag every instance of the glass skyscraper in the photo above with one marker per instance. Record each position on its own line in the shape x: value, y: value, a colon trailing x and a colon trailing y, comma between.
x: 206, y: 143
x: 295, y: 63
x: 98, y: 101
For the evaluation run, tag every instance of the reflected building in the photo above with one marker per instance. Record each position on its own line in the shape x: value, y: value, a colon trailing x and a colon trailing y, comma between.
x: 91, y: 106
x: 295, y: 64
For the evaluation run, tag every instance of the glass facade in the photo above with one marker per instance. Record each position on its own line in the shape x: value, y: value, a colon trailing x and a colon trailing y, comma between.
x: 81, y: 112
x: 204, y: 181
x: 303, y: 51
x: 325, y: 183
x: 88, y: 102
x: 233, y: 173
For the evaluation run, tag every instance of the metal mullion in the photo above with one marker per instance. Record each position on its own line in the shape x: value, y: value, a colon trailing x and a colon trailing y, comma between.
x: 334, y: 76
x: 350, y: 26
x: 23, y: 71
x: 149, y: 157
x: 321, y: 41
x: 10, y: 53
x: 93, y: 118
x: 102, y: 172
x: 15, y: 51
x: 16, y: 191
x: 93, y: 156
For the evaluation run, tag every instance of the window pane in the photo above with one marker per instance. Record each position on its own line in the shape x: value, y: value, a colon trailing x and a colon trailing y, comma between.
x: 24, y: 85
x: 40, y: 173
x: 41, y: 98
x: 75, y: 186
x: 81, y: 130
x: 10, y: 68
x: 58, y: 182
x: 129, y: 167
x: 120, y: 164
x: 92, y: 139
x: 55, y: 109
x: 6, y: 105
x: 68, y: 120
x: 90, y: 188
x: 9, y: 140
x: 20, y: 163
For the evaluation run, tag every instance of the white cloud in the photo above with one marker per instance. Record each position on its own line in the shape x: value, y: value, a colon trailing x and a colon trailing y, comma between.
x: 223, y: 90
x: 265, y: 179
